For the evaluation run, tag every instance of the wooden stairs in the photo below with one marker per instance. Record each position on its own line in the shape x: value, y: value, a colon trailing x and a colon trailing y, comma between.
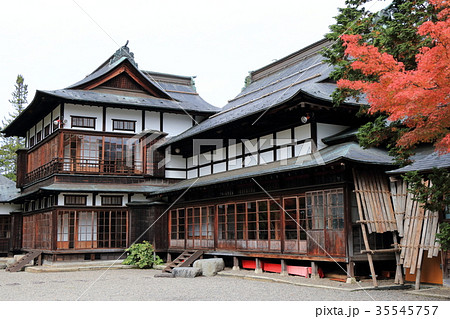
x: 184, y: 260
x: 18, y: 265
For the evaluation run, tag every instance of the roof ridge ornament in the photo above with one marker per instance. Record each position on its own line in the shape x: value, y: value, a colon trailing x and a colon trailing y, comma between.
x: 123, y: 51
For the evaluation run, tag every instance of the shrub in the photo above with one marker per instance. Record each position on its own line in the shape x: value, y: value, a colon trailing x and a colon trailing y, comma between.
x: 142, y: 255
x: 443, y: 237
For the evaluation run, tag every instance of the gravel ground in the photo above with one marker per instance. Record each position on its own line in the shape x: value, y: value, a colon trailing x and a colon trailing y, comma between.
x: 136, y: 284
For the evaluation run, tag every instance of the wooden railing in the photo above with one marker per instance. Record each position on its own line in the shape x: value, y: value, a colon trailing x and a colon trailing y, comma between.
x: 85, y: 166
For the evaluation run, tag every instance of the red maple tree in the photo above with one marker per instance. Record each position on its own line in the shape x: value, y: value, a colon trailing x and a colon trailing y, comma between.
x: 419, y: 98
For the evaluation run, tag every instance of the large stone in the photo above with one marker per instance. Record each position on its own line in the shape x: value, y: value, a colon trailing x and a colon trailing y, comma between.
x: 210, y: 267
x: 2, y: 266
x: 186, y: 272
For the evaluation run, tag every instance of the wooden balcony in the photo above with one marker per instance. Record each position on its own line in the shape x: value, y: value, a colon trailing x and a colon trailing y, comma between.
x: 85, y: 166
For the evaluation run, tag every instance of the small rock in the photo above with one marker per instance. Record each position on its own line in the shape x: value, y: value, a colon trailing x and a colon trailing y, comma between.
x: 210, y: 267
x: 2, y: 266
x: 351, y: 280
x: 165, y: 275
x: 186, y: 272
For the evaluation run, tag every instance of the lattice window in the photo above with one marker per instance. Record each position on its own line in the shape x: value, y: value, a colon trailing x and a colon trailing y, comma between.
x: 83, y: 121
x: 124, y: 125
x: 76, y: 200
x: 325, y: 209
x: 111, y: 200
x: 5, y: 227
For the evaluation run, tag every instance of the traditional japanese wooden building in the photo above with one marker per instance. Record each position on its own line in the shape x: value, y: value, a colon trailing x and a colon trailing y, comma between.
x: 127, y: 154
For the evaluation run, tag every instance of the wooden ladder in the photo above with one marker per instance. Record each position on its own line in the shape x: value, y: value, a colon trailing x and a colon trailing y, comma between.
x: 18, y: 265
x: 186, y: 259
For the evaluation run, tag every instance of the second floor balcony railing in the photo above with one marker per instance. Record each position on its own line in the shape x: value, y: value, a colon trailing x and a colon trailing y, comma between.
x: 85, y: 166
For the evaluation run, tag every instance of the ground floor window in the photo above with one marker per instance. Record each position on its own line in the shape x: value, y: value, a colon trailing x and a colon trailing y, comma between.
x: 5, y: 232
x: 192, y: 227
x: 92, y: 229
x: 275, y: 224
x: 37, y: 231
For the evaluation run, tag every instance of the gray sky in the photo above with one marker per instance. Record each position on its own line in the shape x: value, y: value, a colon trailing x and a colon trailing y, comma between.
x: 54, y: 44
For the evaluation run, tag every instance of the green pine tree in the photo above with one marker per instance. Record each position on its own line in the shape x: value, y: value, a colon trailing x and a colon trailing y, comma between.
x: 9, y: 145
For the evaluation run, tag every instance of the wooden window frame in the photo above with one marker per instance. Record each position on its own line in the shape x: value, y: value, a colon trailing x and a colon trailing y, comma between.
x: 47, y: 130
x: 123, y: 123
x: 68, y: 200
x: 83, y: 119
x: 104, y: 198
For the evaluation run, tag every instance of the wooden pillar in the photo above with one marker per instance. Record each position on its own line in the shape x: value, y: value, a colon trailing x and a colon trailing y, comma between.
x: 314, y: 270
x: 351, y: 273
x: 236, y: 263
x: 418, y: 273
x: 351, y: 269
x: 398, y: 270
x: 284, y: 271
x: 258, y: 269
x: 169, y: 257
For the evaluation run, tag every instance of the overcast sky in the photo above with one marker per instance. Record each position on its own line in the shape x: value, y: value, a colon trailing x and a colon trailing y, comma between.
x: 54, y: 43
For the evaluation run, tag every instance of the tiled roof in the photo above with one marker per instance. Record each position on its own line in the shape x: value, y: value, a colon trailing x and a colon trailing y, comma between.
x: 8, y: 190
x: 303, y: 72
x: 426, y: 163
x: 348, y: 151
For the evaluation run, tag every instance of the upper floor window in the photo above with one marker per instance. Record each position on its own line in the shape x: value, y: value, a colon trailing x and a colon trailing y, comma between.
x: 124, y: 125
x: 32, y: 141
x: 47, y: 131
x: 84, y: 122
x: 75, y: 200
x: 38, y: 136
x: 112, y: 200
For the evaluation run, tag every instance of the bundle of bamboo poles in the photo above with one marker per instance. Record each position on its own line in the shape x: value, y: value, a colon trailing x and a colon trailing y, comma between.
x: 372, y: 191
x: 418, y: 230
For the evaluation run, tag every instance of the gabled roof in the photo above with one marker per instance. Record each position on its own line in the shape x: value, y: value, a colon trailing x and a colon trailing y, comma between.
x: 425, y: 164
x: 350, y: 151
x: 303, y: 72
x: 165, y: 92
x: 8, y: 190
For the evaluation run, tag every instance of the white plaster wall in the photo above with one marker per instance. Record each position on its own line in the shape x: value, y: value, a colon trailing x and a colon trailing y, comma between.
x: 56, y: 112
x: 325, y: 130
x: 251, y: 146
x: 47, y: 121
x: 235, y: 150
x: 266, y: 142
x: 302, y: 132
x: 138, y: 197
x: 152, y: 121
x: 205, y: 170
x: 266, y: 157
x: 251, y: 160
x: 284, y: 153
x: 176, y: 161
x: 283, y: 137
x: 193, y: 173
x: 174, y: 124
x: 83, y: 110
x: 235, y: 164
x: 123, y: 114
x: 192, y: 161
x: 39, y: 126
x: 6, y: 208
x: 205, y: 158
x: 220, y: 167
x: 219, y: 154
x: 175, y: 174
x: 303, y: 149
